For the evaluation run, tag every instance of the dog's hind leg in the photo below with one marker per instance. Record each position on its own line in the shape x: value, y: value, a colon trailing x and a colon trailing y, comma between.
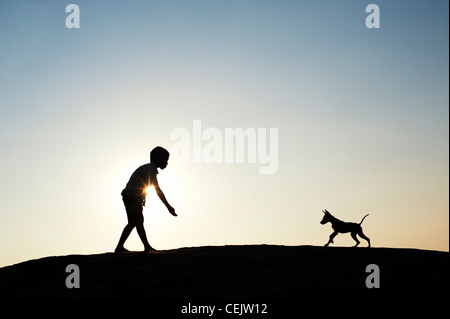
x: 331, y: 238
x: 356, y: 239
x: 361, y: 234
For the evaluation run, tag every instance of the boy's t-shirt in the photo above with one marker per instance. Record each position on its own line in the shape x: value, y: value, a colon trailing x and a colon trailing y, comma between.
x: 143, y: 177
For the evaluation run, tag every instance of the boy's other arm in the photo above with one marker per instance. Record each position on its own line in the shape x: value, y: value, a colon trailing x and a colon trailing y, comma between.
x: 162, y: 197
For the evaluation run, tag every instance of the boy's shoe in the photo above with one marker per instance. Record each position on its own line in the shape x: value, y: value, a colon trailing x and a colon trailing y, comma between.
x: 148, y: 249
x: 121, y: 250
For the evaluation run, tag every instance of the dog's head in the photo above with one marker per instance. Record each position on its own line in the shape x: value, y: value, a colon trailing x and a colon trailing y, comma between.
x: 326, y: 218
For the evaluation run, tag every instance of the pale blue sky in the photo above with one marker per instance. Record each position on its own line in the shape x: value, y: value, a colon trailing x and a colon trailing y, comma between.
x: 362, y: 117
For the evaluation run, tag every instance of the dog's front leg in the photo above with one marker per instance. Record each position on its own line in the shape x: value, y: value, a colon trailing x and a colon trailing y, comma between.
x: 331, y: 238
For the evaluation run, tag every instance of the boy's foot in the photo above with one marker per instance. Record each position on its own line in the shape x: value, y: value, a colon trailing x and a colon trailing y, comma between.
x: 121, y: 250
x: 149, y: 248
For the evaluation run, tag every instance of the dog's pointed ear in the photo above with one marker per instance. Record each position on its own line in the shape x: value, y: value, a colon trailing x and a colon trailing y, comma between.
x: 323, y: 211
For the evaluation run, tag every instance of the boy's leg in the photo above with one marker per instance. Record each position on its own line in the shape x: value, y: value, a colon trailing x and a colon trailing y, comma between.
x: 125, y: 233
x: 135, y: 219
x: 133, y: 210
x: 138, y: 219
x: 143, y: 236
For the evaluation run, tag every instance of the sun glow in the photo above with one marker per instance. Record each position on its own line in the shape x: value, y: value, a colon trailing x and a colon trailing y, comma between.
x: 149, y: 189
x: 171, y: 184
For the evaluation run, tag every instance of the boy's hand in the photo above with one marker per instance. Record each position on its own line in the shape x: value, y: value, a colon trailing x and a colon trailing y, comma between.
x: 172, y: 210
x: 164, y: 200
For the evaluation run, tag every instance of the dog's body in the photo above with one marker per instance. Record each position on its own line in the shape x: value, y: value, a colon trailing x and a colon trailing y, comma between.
x: 342, y: 227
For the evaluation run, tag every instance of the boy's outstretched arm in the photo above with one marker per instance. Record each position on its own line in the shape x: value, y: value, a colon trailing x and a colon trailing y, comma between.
x: 162, y: 197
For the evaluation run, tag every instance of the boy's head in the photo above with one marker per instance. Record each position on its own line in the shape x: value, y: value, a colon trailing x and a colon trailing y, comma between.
x: 159, y: 156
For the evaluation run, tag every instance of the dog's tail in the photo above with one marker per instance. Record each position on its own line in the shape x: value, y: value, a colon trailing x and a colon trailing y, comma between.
x: 363, y: 219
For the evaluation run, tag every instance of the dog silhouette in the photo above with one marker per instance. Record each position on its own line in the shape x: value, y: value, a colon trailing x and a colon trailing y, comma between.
x: 342, y: 227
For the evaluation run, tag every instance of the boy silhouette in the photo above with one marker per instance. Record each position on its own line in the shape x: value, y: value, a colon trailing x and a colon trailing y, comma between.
x: 134, y: 196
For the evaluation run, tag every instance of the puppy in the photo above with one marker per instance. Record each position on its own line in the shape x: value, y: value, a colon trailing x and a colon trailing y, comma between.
x: 342, y: 227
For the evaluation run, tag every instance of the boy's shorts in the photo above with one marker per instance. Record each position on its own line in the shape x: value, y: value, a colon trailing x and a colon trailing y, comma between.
x: 133, y: 206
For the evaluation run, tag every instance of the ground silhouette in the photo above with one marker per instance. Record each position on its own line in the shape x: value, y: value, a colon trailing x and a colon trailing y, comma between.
x: 226, y: 273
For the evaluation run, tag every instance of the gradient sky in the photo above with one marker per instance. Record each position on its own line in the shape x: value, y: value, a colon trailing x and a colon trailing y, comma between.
x: 362, y: 115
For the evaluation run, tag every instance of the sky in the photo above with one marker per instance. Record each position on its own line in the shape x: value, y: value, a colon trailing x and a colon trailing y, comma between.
x: 361, y: 115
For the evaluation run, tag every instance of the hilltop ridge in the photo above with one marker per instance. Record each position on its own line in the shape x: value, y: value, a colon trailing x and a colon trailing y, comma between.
x: 258, y: 272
